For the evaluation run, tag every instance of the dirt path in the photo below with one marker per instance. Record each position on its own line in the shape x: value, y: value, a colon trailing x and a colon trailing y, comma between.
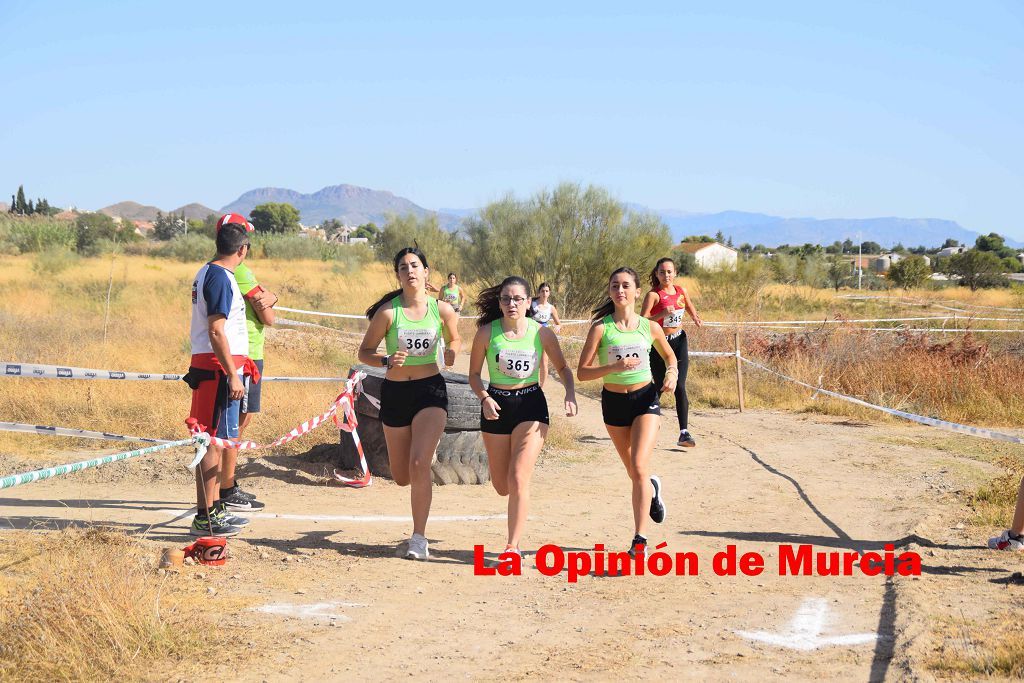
x: 757, y: 480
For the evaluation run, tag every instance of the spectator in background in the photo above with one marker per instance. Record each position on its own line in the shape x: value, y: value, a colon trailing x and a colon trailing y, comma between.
x: 259, y: 312
x: 220, y: 360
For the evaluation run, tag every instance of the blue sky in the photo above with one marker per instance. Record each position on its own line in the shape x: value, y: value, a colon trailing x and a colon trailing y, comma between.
x: 867, y: 109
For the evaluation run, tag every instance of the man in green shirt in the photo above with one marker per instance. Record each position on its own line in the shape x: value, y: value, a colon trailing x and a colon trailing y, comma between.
x: 259, y: 312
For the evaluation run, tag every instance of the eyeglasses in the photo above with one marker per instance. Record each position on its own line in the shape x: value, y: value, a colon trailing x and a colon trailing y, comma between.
x: 506, y: 300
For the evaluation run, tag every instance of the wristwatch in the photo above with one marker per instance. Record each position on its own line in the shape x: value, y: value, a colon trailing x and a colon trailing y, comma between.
x: 385, y: 362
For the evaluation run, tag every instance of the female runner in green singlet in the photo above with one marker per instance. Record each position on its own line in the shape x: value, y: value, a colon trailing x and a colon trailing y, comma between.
x: 513, y: 411
x: 414, y: 398
x: 617, y: 350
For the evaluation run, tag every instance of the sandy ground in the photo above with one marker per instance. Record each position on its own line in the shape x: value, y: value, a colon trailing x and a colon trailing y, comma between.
x: 756, y: 480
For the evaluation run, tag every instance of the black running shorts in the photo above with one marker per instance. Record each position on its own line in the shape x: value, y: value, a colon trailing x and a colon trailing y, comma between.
x: 400, y: 401
x: 515, y: 406
x: 619, y: 410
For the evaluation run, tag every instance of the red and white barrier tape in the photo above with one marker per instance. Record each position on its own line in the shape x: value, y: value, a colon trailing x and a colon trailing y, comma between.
x: 347, y: 422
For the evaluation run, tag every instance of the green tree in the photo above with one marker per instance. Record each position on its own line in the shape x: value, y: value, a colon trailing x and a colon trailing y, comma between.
x: 910, y: 272
x: 92, y: 227
x: 20, y: 204
x: 835, y: 248
x: 368, y: 230
x: 840, y: 271
x: 871, y: 248
x: 444, y: 250
x: 331, y: 226
x: 848, y: 246
x: 977, y: 269
x: 273, y: 217
x: 698, y: 238
x: 168, y: 226
x: 950, y: 242
x: 13, y: 208
x: 570, y: 237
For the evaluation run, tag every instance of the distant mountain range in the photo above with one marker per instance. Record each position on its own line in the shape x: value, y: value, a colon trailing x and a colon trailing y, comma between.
x: 772, y: 231
x: 356, y: 205
x: 351, y: 204
x: 133, y: 211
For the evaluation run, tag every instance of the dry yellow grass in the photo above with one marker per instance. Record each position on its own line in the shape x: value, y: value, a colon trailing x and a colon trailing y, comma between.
x: 89, y: 605
x: 970, y: 650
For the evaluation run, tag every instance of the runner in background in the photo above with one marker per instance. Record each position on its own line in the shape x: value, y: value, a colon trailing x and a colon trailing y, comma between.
x: 545, y: 313
x: 513, y: 411
x: 259, y: 312
x: 665, y: 305
x: 413, y: 398
x: 220, y: 358
x: 617, y: 350
x: 452, y: 293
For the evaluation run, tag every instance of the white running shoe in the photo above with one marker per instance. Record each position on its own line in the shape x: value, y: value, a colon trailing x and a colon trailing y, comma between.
x: 417, y: 549
x: 1005, y: 542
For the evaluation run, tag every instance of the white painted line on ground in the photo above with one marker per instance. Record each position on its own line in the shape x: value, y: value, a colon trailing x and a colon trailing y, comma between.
x: 344, y: 518
x: 319, y: 610
x: 804, y: 631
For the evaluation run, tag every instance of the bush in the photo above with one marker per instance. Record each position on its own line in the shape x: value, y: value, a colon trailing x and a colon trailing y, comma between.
x: 739, y: 289
x: 53, y: 261
x: 36, y: 233
x: 188, y: 248
x: 289, y: 247
x: 9, y: 249
x: 570, y: 237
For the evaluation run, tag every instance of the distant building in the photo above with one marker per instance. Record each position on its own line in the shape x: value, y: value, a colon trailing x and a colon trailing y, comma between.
x: 143, y: 228
x: 949, y: 251
x: 711, y: 255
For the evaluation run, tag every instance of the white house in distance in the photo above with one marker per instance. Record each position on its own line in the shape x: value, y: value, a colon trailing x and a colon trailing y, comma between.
x: 711, y: 255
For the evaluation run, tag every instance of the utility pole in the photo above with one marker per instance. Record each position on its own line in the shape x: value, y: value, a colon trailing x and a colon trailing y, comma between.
x: 860, y: 259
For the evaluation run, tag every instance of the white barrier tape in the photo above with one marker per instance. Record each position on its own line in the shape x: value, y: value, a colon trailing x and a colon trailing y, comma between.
x: 299, y: 323
x: 35, y: 371
x: 962, y: 330
x: 39, y: 475
x: 979, y: 432
x: 920, y: 302
x: 844, y: 321
x: 44, y: 430
x: 354, y: 316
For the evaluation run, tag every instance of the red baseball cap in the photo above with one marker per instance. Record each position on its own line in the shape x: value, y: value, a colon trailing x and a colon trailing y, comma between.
x: 236, y: 219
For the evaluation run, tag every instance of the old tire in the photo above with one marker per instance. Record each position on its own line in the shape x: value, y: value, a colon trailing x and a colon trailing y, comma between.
x: 463, y: 405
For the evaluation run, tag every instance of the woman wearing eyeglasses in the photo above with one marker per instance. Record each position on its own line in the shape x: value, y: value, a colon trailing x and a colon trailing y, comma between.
x: 413, y: 398
x: 513, y: 410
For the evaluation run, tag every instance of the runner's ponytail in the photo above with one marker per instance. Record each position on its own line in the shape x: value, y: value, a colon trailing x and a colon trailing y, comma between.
x: 489, y: 306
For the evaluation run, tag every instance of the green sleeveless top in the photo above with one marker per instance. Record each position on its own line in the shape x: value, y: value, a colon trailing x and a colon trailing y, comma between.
x: 616, y: 344
x: 450, y: 294
x: 418, y: 338
x: 514, y: 361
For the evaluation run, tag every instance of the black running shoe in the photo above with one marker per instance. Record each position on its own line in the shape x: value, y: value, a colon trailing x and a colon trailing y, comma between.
x: 657, y: 504
x: 224, y: 493
x: 686, y: 439
x: 638, y: 546
x: 238, y: 502
x: 212, y: 526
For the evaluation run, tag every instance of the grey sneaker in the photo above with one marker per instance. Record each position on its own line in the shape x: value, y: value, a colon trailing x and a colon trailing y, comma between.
x: 686, y: 439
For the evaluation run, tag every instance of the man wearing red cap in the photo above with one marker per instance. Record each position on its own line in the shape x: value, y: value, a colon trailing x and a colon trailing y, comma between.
x: 220, y: 360
x: 259, y: 312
